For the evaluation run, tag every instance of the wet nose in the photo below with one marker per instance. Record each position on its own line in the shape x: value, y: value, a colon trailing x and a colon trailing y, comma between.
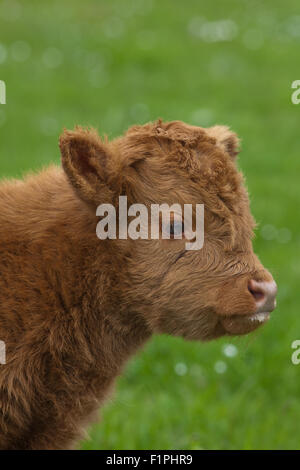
x: 264, y: 294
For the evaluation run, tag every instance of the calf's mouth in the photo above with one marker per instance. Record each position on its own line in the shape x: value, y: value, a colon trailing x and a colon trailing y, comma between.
x: 243, y: 324
x: 262, y: 298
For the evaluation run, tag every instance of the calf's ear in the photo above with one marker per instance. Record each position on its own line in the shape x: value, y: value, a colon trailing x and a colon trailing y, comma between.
x: 86, y: 161
x: 225, y: 139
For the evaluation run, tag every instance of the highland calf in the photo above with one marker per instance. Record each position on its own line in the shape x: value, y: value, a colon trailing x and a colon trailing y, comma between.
x: 74, y: 308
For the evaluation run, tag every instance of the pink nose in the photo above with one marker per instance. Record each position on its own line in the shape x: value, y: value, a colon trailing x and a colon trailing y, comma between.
x: 264, y: 293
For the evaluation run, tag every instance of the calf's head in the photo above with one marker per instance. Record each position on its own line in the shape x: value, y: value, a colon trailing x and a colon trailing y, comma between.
x: 219, y: 289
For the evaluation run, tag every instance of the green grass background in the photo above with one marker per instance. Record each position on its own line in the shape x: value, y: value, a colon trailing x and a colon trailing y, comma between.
x: 110, y: 64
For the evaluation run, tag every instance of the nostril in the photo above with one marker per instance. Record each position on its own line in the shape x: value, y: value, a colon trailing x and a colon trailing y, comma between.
x: 264, y: 294
x: 256, y: 290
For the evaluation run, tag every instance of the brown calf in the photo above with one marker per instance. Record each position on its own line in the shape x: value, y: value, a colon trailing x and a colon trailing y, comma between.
x: 74, y: 308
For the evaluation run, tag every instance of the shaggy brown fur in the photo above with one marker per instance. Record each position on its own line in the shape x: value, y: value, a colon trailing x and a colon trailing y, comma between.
x: 74, y: 308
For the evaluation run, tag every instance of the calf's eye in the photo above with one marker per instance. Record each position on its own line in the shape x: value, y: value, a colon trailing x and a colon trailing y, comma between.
x: 174, y: 229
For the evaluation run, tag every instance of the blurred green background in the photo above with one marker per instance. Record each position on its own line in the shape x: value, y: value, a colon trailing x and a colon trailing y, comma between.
x: 110, y: 64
